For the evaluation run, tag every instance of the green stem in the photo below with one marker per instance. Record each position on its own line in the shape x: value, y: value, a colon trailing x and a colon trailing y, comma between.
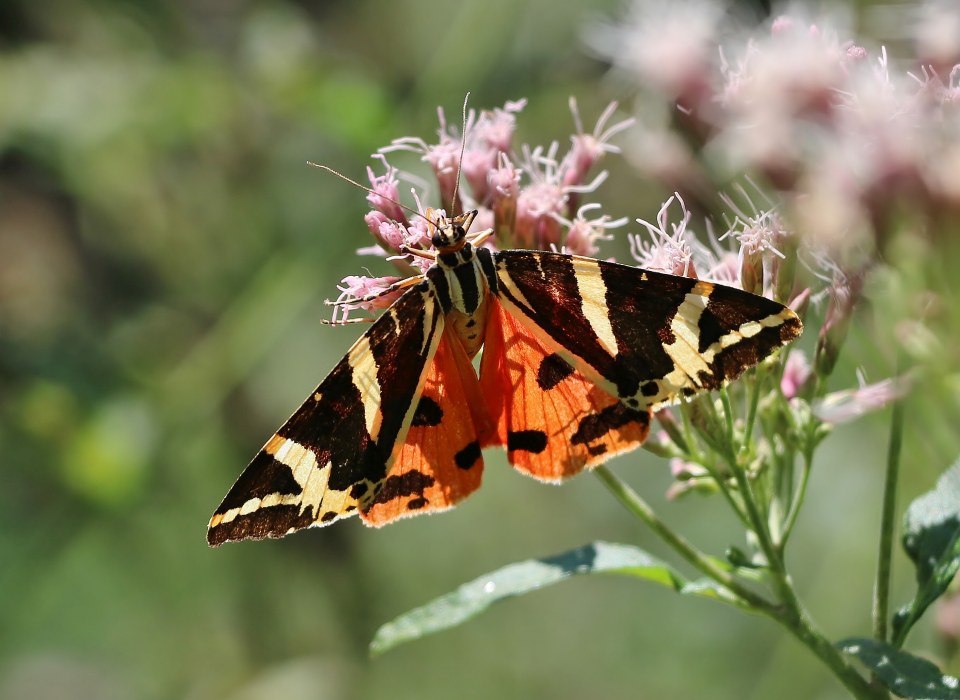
x: 789, y: 614
x: 727, y: 417
x: 639, y: 507
x: 881, y: 591
x: 797, y: 501
x: 752, y: 415
x: 794, y: 617
x: 799, y: 624
x: 708, y: 464
x: 688, y: 433
x: 755, y: 519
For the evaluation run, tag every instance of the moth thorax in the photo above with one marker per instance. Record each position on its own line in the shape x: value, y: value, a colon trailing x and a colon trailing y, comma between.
x: 469, y: 296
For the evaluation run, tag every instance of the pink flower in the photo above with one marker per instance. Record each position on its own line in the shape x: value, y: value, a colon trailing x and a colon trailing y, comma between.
x: 504, y: 183
x: 495, y: 129
x: 388, y: 232
x: 582, y: 234
x: 385, y: 196
x: 849, y: 404
x: 843, y: 294
x: 540, y: 202
x: 796, y: 372
x: 529, y: 203
x: 667, y: 251
x: 587, y: 149
x: 726, y: 269
x: 757, y: 235
x: 670, y: 46
x: 935, y: 32
x: 443, y: 157
x: 539, y: 207
x: 353, y: 288
x: 478, y: 163
x: 487, y: 136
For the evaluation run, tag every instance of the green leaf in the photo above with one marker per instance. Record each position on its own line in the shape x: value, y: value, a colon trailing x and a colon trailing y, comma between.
x: 708, y: 588
x: 931, y: 538
x: 474, y: 597
x: 905, y: 675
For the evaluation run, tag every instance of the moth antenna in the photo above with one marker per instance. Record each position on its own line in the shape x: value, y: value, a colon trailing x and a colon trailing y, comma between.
x: 463, y: 148
x: 366, y: 189
x: 371, y: 191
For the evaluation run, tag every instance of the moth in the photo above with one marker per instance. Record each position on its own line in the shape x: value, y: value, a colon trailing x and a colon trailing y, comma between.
x: 577, y: 354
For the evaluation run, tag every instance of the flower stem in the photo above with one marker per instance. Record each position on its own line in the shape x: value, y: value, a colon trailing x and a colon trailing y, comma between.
x: 727, y: 416
x: 797, y: 501
x: 639, y: 507
x: 752, y: 415
x: 881, y: 591
x: 755, y: 520
x: 799, y: 624
x: 789, y: 614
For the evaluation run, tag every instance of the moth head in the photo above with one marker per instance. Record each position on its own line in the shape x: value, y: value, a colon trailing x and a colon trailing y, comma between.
x: 450, y: 235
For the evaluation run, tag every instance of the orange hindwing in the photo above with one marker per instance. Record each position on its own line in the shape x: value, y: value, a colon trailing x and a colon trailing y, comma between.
x: 439, y: 462
x: 552, y: 420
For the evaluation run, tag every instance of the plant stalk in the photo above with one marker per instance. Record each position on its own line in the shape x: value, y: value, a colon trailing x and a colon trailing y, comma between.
x: 881, y: 591
x: 639, y: 507
x: 790, y: 614
x: 799, y: 624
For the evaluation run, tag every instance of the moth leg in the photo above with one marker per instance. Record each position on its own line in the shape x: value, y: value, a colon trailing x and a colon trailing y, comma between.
x: 366, y: 299
x: 480, y: 237
x: 418, y: 253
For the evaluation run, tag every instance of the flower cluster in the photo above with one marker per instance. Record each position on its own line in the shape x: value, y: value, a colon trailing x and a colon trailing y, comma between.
x: 530, y: 196
x: 844, y: 135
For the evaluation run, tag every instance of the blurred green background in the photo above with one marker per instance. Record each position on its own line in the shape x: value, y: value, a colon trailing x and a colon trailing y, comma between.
x: 164, y: 255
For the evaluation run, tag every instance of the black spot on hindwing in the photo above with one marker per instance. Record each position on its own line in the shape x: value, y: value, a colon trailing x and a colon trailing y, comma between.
x: 595, y: 426
x: 468, y: 456
x: 553, y: 370
x: 411, y: 483
x: 428, y: 413
x: 527, y: 440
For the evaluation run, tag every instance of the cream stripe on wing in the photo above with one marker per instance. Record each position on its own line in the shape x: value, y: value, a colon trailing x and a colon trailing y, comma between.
x: 593, y: 302
x: 685, y: 326
x: 507, y: 283
x: 305, y: 471
x: 363, y: 367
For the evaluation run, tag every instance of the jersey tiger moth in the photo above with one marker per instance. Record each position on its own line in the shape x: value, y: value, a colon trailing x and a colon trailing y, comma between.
x: 577, y: 354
